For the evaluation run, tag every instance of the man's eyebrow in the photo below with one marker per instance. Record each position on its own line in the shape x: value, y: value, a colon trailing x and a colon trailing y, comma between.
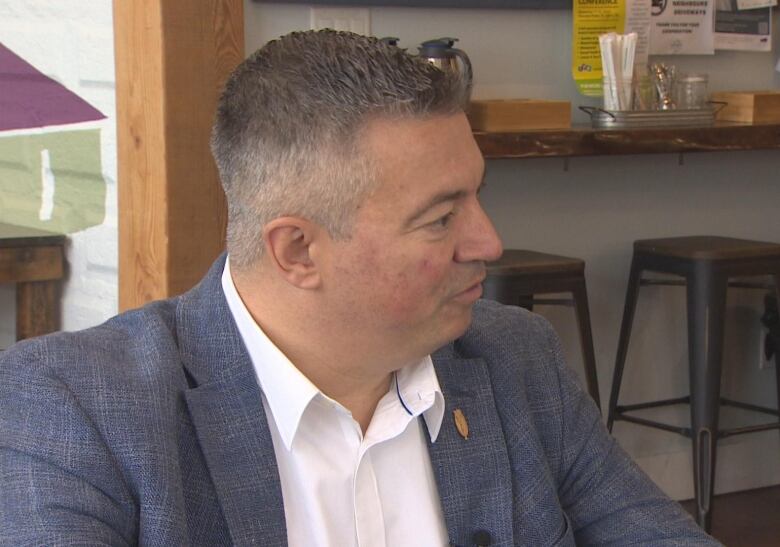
x: 435, y: 200
x: 443, y: 197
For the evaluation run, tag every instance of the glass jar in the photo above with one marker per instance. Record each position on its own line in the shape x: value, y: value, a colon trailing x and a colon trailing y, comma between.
x: 690, y: 91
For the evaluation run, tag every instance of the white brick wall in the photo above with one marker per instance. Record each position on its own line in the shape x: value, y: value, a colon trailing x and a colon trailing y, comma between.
x: 72, y: 42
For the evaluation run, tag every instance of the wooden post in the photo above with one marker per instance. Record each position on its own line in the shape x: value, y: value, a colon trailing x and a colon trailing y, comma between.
x: 172, y: 58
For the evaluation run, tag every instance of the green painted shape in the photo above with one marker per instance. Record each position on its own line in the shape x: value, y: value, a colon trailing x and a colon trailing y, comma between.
x: 19, y: 190
x: 80, y: 190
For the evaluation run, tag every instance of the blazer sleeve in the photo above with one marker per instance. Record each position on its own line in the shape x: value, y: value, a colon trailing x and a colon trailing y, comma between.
x: 59, y: 482
x: 608, y: 499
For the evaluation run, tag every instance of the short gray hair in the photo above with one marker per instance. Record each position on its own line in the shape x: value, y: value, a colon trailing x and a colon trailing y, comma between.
x: 288, y: 123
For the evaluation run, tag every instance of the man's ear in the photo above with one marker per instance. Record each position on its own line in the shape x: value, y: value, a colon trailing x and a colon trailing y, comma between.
x: 288, y: 243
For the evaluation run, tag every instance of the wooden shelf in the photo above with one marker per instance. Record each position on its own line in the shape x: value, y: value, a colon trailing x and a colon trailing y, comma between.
x: 585, y: 141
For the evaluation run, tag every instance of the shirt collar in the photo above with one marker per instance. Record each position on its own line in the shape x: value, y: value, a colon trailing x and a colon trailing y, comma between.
x: 419, y: 392
x: 288, y: 392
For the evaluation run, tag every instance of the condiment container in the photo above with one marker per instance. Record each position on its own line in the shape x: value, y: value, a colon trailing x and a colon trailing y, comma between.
x: 690, y: 91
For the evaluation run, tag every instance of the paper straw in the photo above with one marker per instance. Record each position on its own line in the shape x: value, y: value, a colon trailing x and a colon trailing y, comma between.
x: 628, y: 54
x: 608, y: 69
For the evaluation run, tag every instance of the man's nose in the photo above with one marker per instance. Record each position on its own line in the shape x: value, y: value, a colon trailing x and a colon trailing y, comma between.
x: 480, y: 241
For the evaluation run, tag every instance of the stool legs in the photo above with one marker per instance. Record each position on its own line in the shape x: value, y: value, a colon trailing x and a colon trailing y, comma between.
x: 706, y: 302
x: 580, y: 295
x: 632, y: 294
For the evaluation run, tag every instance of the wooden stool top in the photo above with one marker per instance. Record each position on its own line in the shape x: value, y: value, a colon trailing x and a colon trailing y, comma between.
x: 707, y: 248
x: 521, y: 261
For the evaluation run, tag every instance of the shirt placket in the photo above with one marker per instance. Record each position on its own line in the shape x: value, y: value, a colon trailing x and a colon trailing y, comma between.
x: 366, y: 504
x: 369, y: 519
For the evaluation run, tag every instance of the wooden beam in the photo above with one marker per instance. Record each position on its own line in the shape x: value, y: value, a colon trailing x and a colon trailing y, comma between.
x: 172, y: 58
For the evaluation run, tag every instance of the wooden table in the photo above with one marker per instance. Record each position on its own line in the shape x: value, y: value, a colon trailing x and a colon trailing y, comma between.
x: 35, y: 261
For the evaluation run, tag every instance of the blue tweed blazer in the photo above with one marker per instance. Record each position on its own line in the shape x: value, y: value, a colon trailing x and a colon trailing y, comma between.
x: 149, y: 429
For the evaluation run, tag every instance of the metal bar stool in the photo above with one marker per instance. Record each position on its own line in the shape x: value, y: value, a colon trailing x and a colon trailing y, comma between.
x: 520, y: 274
x: 706, y: 264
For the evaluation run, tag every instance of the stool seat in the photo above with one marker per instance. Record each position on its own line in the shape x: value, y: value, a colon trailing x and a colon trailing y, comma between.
x: 522, y: 262
x: 707, y: 264
x: 520, y: 274
x: 707, y: 248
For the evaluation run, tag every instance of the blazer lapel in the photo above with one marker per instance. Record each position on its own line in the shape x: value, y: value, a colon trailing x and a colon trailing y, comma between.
x: 472, y: 474
x: 225, y: 404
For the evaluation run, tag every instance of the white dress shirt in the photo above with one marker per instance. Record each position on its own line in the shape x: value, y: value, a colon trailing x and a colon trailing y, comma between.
x: 340, y: 487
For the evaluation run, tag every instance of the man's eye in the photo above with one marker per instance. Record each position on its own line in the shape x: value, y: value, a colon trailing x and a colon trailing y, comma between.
x: 443, y: 221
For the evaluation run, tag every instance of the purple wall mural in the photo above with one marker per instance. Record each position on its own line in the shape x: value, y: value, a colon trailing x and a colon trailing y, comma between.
x: 50, y: 169
x: 30, y: 99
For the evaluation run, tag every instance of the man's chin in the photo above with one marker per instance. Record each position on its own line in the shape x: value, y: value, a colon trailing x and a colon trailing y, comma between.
x: 460, y: 325
x: 453, y: 322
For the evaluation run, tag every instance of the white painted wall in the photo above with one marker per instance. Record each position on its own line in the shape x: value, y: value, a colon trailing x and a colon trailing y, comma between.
x: 596, y: 208
x: 73, y: 43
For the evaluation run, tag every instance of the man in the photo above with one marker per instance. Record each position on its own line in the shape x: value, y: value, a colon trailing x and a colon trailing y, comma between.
x: 334, y: 380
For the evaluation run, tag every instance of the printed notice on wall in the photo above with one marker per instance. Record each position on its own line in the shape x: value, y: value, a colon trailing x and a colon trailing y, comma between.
x: 742, y: 30
x: 638, y: 19
x: 593, y: 18
x: 747, y: 4
x: 682, y: 27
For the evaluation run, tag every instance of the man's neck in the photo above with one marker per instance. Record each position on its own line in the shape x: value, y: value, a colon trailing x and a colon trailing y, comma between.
x: 344, y: 373
x: 362, y: 403
x: 347, y: 382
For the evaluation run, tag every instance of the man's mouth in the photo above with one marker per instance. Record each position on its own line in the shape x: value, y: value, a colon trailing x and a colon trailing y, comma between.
x: 473, y: 291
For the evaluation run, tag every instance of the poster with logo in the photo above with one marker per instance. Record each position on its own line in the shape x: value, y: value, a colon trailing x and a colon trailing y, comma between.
x: 682, y: 27
x: 592, y: 18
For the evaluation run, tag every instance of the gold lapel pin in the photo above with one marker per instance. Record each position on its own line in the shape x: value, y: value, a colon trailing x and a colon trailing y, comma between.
x: 460, y: 423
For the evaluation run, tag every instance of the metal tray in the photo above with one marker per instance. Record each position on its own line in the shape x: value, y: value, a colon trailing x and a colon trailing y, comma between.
x: 637, y: 119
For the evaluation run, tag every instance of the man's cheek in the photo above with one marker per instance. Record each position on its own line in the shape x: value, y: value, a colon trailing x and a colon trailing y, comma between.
x: 402, y: 297
x: 424, y: 283
x: 430, y: 276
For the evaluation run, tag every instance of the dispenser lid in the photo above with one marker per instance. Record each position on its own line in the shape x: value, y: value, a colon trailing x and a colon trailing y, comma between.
x: 439, y: 47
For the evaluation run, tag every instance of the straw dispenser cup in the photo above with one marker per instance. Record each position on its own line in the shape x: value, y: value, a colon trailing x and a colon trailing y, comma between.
x: 441, y: 53
x: 617, y: 61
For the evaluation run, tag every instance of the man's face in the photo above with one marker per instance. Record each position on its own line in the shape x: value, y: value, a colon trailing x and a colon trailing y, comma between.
x: 404, y: 283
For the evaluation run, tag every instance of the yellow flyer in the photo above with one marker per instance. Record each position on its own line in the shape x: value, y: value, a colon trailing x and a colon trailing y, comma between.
x: 591, y: 19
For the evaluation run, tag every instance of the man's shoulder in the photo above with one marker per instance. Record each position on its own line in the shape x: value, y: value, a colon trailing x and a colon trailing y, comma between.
x: 119, y: 347
x: 521, y: 352
x: 497, y: 329
x: 94, y: 413
x: 496, y: 315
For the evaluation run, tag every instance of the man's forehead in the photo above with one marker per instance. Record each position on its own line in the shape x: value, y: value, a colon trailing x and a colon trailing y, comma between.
x: 409, y: 127
x: 419, y: 160
x: 398, y: 139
